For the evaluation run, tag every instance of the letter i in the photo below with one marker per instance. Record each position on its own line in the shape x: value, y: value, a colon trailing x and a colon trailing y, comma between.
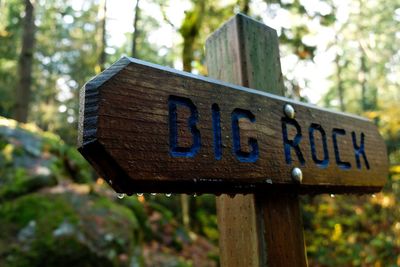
x: 216, y: 123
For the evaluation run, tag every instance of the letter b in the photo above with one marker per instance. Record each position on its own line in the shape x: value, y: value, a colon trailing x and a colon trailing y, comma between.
x: 175, y: 150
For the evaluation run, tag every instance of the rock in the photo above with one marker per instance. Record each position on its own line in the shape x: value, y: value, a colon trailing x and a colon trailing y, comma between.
x: 31, y: 159
x: 20, y: 185
x: 66, y: 229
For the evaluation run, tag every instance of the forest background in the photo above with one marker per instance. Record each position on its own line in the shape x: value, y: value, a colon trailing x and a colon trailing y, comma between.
x: 343, y: 55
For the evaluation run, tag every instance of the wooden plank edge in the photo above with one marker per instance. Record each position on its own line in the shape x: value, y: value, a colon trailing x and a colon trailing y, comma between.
x: 88, y: 102
x: 96, y: 154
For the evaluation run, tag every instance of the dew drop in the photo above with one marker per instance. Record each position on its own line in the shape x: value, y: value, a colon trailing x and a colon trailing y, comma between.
x: 139, y: 194
x: 120, y: 195
x: 168, y: 194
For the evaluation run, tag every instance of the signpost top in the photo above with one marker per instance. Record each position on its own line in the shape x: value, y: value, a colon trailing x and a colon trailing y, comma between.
x: 147, y: 128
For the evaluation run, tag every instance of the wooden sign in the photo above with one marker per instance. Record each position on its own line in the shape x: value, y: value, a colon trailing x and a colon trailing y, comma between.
x: 147, y: 128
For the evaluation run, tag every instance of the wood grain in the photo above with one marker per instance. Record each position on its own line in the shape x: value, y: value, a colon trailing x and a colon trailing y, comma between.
x: 263, y: 229
x: 125, y: 116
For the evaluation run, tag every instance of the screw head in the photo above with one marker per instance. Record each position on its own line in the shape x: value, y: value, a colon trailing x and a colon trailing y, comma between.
x: 289, y: 111
x: 297, y: 175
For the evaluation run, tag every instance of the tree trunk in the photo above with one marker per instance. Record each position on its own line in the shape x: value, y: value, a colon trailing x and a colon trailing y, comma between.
x: 244, y: 6
x: 25, y: 62
x: 136, y: 30
x: 190, y: 31
x: 339, y: 81
x: 363, y: 80
x: 339, y: 68
x: 185, y: 211
x: 102, y: 34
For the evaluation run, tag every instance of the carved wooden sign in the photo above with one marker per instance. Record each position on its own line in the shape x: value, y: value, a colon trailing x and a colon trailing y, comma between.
x: 147, y: 128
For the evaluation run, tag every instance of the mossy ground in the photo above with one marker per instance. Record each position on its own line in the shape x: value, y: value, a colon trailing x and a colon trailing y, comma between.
x: 55, y: 212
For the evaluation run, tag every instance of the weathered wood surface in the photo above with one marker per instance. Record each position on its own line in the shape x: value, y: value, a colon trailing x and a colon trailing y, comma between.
x: 148, y: 128
x: 262, y: 229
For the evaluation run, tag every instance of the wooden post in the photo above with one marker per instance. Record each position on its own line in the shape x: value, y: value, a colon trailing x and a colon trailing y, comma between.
x: 261, y: 229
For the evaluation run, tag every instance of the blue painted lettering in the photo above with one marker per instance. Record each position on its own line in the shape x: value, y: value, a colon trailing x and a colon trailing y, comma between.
x: 216, y: 121
x: 241, y: 155
x: 323, y: 163
x: 359, y: 150
x: 289, y: 144
x: 175, y: 150
x: 342, y: 164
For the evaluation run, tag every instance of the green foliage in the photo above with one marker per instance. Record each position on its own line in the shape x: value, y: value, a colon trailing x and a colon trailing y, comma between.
x: 61, y: 62
x: 10, y: 32
x: 63, y: 67
x: 353, y: 230
x: 206, y: 218
x: 36, y: 207
x: 65, y: 229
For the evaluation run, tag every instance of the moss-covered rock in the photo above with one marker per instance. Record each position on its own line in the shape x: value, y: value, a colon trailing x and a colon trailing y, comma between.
x: 31, y: 159
x: 48, y: 220
x: 66, y: 229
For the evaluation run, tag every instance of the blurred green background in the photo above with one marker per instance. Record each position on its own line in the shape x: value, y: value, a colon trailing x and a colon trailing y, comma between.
x: 55, y: 211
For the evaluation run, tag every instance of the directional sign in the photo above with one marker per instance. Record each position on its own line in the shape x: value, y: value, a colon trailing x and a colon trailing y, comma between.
x: 147, y: 128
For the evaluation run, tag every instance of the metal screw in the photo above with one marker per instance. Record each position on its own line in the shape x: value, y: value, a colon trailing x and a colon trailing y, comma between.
x: 289, y: 111
x: 297, y: 175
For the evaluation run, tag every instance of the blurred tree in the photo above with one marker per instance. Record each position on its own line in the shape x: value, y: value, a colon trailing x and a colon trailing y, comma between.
x: 23, y: 88
x: 139, y: 44
x: 102, y: 33
x: 66, y: 58
x: 136, y: 32
x: 244, y: 6
x: 63, y: 60
x: 10, y: 45
x: 362, y: 43
x: 339, y: 79
x: 190, y: 30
